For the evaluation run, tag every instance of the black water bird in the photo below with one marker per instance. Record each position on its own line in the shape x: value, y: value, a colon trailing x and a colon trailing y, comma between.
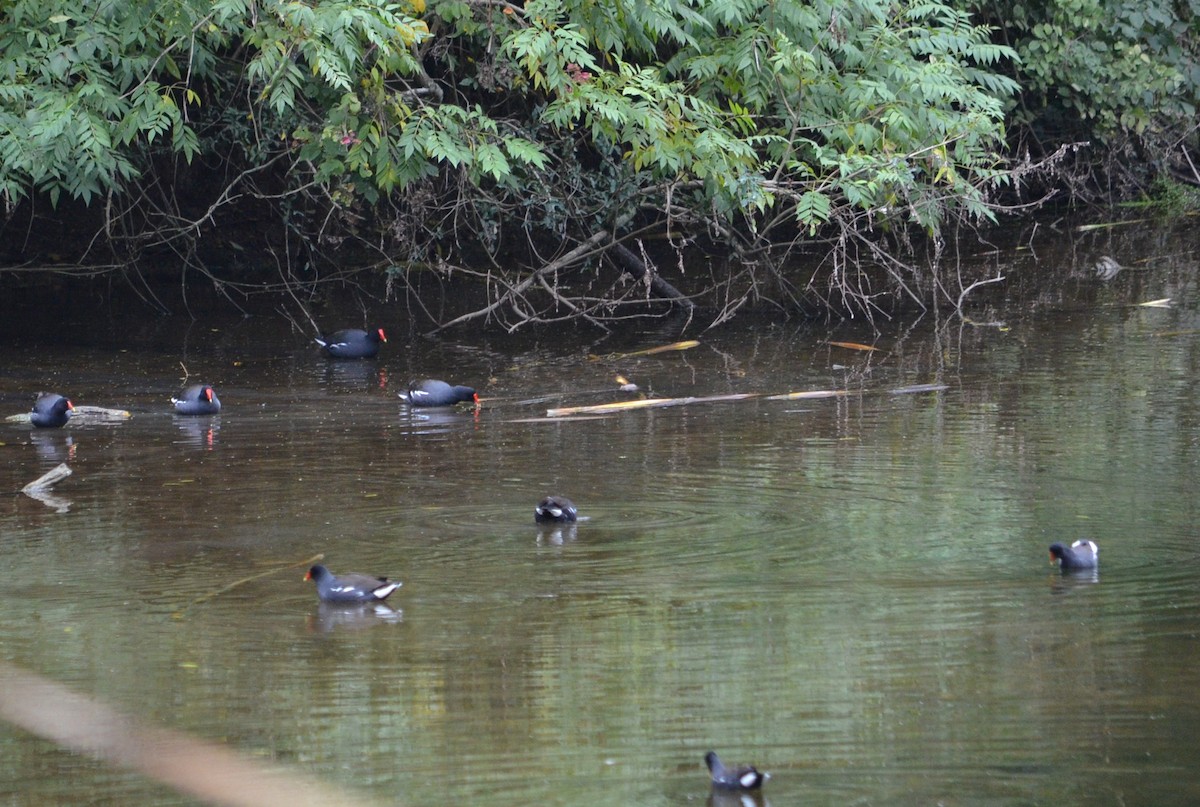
x: 1079, y: 555
x: 352, y: 343
x: 432, y: 392
x: 744, y: 777
x: 350, y: 588
x: 198, y: 399
x: 50, y: 411
x: 555, y: 509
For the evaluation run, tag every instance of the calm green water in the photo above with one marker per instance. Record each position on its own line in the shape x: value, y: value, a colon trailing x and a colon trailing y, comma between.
x: 852, y: 593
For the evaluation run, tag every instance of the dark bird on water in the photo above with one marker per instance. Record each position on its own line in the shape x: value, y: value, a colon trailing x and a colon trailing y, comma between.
x: 198, y: 399
x: 744, y: 777
x: 1079, y: 555
x: 432, y: 392
x: 50, y: 411
x: 352, y: 343
x: 350, y: 587
x: 555, y: 509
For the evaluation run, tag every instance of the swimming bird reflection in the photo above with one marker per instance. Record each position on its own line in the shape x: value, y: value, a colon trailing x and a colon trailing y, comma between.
x: 331, y: 617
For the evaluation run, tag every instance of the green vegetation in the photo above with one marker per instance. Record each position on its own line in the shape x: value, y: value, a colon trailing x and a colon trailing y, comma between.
x: 528, y: 145
x: 1120, y: 75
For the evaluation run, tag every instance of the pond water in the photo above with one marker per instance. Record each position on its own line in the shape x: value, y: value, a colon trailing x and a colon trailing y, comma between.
x: 853, y: 593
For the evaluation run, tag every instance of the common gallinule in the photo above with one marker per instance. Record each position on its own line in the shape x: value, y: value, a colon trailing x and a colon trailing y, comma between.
x: 432, y: 392
x: 555, y: 508
x: 352, y: 343
x: 1079, y: 555
x: 50, y: 411
x: 350, y: 588
x: 198, y: 399
x: 745, y: 777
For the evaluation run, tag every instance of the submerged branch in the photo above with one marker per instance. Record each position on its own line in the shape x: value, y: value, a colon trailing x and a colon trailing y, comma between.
x: 52, y: 477
x: 40, y: 488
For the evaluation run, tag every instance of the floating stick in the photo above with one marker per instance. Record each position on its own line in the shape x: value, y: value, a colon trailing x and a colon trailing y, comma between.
x: 819, y: 393
x: 658, y: 403
x: 853, y: 345
x: 687, y: 344
x: 646, y: 403
x: 223, y: 589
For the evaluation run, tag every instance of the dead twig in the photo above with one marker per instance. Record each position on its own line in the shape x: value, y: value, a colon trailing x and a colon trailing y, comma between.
x: 223, y: 589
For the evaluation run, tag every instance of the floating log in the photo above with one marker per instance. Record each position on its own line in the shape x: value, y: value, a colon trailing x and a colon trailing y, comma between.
x: 100, y: 414
x: 83, y: 415
x: 52, y: 477
x: 818, y: 393
x: 658, y: 403
x: 646, y: 403
x: 39, y: 489
x: 686, y: 344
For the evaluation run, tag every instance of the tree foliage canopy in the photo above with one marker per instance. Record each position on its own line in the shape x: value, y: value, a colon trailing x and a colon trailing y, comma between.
x: 528, y: 139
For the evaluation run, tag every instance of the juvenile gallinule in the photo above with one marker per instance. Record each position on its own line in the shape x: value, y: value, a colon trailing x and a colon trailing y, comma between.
x: 198, y: 399
x: 555, y: 508
x: 745, y: 777
x: 1079, y: 555
x: 50, y: 411
x: 350, y: 588
x: 352, y: 343
x: 432, y: 392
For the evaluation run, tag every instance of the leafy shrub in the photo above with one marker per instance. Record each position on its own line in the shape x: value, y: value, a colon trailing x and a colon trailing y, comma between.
x: 464, y: 125
x: 1121, y: 74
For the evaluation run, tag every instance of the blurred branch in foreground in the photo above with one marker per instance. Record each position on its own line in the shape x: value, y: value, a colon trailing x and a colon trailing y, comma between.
x: 200, y: 769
